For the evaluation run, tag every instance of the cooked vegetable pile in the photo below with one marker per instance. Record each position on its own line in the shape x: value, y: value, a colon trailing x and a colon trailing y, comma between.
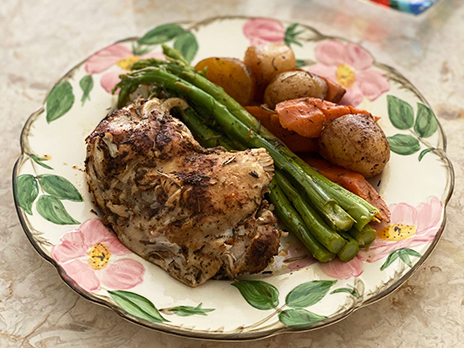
x: 327, y: 218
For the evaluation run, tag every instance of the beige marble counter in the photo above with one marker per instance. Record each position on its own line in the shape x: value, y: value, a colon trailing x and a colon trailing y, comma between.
x: 41, y: 39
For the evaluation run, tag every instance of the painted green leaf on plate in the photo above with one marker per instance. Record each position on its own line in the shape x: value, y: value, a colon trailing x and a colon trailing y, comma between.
x: 424, y: 152
x: 59, y: 101
x: 300, y: 63
x: 426, y: 124
x: 405, y: 258
x: 400, y: 113
x: 26, y: 191
x: 187, y: 44
x: 290, y: 35
x: 259, y: 294
x: 185, y: 311
x: 403, y: 144
x: 40, y: 160
x: 59, y: 187
x: 350, y: 291
x: 139, y: 50
x: 161, y: 34
x: 390, y: 259
x: 86, y: 84
x: 404, y: 254
x: 299, y: 318
x: 308, y: 294
x: 412, y: 252
x: 137, y: 305
x: 51, y: 209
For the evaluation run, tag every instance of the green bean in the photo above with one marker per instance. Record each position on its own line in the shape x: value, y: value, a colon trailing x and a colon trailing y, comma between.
x: 350, y: 249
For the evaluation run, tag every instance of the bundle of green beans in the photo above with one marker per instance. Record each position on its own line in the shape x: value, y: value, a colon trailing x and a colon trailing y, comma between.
x: 317, y: 210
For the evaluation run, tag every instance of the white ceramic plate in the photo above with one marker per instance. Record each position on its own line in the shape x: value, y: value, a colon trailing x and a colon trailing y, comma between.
x: 295, y: 292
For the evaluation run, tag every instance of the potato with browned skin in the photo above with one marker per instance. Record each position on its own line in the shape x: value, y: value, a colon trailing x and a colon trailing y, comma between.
x: 293, y: 85
x: 268, y: 60
x: 355, y: 142
x: 232, y: 75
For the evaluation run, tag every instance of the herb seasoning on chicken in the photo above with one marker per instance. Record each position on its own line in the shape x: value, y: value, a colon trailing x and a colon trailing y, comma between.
x: 197, y: 213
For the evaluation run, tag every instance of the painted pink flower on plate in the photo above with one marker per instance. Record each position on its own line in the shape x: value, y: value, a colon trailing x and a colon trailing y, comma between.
x: 115, y: 55
x: 342, y: 270
x: 409, y: 227
x: 263, y: 30
x: 93, y: 257
x: 351, y: 67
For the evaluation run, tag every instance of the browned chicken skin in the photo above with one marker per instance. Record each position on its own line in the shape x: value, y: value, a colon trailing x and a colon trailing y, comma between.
x: 195, y: 212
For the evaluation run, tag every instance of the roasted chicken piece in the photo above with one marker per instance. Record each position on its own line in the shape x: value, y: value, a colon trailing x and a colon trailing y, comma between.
x: 195, y: 212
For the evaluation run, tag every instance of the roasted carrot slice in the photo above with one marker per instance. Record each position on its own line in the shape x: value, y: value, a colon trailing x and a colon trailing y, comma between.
x: 335, y: 92
x: 271, y: 122
x: 333, y: 111
x: 329, y: 109
x: 301, y: 116
x: 308, y: 116
x: 351, y: 181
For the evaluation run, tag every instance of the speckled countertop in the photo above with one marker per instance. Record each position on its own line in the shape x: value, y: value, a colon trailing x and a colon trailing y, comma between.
x: 40, y: 40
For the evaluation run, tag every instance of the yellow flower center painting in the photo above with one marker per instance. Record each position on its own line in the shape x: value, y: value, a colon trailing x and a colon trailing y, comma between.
x: 397, y: 232
x: 345, y: 75
x: 99, y: 255
x: 127, y: 62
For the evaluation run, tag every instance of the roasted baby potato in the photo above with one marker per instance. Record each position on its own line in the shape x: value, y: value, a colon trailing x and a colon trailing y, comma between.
x: 268, y: 60
x: 293, y: 85
x: 355, y: 142
x: 232, y: 75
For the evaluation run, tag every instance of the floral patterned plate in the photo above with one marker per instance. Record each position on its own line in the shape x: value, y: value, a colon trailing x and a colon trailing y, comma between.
x: 294, y: 292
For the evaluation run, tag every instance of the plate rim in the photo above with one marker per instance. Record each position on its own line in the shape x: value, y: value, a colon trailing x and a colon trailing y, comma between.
x: 205, y: 334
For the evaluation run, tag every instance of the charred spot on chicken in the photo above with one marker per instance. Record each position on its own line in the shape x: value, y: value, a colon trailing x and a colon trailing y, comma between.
x: 198, y: 213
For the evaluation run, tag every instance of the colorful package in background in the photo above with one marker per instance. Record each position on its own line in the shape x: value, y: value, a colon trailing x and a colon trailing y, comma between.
x: 409, y: 6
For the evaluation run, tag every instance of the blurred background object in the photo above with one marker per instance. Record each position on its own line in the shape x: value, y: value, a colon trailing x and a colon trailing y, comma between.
x: 410, y: 6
